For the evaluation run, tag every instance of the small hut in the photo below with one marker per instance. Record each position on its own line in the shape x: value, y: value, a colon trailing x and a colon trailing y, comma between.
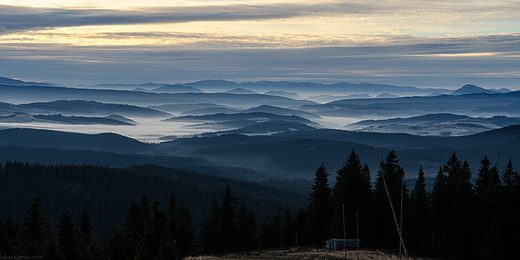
x: 340, y: 244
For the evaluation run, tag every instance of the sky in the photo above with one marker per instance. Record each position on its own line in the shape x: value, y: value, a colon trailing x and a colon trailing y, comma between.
x: 420, y: 43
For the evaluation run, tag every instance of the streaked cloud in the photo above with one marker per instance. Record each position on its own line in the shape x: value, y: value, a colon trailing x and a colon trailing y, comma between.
x: 423, y: 43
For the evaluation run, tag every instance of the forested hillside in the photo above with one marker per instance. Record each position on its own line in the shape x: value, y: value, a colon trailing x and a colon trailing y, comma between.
x: 89, y: 212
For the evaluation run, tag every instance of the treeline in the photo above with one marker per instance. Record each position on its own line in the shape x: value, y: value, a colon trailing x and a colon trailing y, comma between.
x: 107, y: 192
x: 148, y: 232
x: 460, y: 218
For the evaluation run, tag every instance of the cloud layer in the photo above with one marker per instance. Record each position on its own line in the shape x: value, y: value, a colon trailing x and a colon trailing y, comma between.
x: 422, y: 43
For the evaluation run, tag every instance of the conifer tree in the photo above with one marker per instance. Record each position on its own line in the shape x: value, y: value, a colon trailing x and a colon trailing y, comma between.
x: 510, y: 211
x: 488, y: 214
x: 67, y: 239
x: 300, y: 226
x: 482, y: 179
x: 53, y: 250
x: 353, y: 189
x: 420, y: 205
x: 319, y: 209
x: 125, y: 240
x: 288, y: 230
x: 246, y: 225
x: 185, y: 232
x: 385, y: 228
x: 85, y: 237
x: 35, y: 232
x: 209, y: 239
x: 12, y: 241
x: 171, y: 212
x: 265, y: 233
x: 228, y: 224
x: 454, y: 210
x: 3, y: 235
x: 154, y: 239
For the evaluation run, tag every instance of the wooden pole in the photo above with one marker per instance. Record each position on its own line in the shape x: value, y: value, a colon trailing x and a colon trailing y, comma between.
x: 401, y: 217
x: 344, y: 234
x: 391, y: 205
x: 357, y: 235
x: 296, y: 240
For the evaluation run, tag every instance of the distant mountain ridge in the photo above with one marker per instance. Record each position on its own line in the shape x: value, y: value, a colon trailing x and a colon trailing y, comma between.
x: 15, y: 82
x: 443, y: 124
x: 23, y: 94
x: 472, y: 89
x: 82, y: 107
x: 177, y: 88
x: 291, y: 154
x: 71, y: 141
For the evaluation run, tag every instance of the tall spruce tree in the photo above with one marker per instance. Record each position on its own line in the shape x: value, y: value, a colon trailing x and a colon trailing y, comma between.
x: 265, y: 233
x: 420, y: 207
x: 319, y: 209
x: 12, y: 242
x: 353, y: 190
x: 154, y: 238
x: 246, y: 226
x: 301, y: 231
x: 35, y: 233
x: 209, y: 239
x: 67, y: 239
x: 510, y: 211
x: 288, y: 230
x: 228, y: 225
x: 482, y: 179
x: 490, y: 239
x: 185, y: 232
x: 453, y: 210
x: 86, y: 238
x: 384, y: 225
x: 3, y: 235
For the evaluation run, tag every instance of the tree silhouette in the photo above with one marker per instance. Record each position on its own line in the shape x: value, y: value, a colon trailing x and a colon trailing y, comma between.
x: 67, y: 238
x: 319, y: 209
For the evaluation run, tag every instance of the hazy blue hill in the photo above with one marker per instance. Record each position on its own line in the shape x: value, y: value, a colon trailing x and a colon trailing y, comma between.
x: 15, y: 82
x: 330, y: 98
x: 179, y: 108
x: 274, y: 126
x: 146, y: 86
x: 252, y: 116
x: 214, y: 83
x: 283, y: 94
x: 53, y: 139
x: 468, y: 104
x: 282, y: 111
x: 122, y: 119
x: 264, y: 108
x: 509, y: 108
x: 292, y: 153
x: 386, y: 95
x: 472, y: 89
x: 177, y: 88
x: 83, y: 107
x: 211, y: 111
x: 7, y: 107
x: 24, y: 94
x: 336, y: 88
x: 81, y: 120
x: 436, y: 124
x: 430, y: 118
x: 240, y: 91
